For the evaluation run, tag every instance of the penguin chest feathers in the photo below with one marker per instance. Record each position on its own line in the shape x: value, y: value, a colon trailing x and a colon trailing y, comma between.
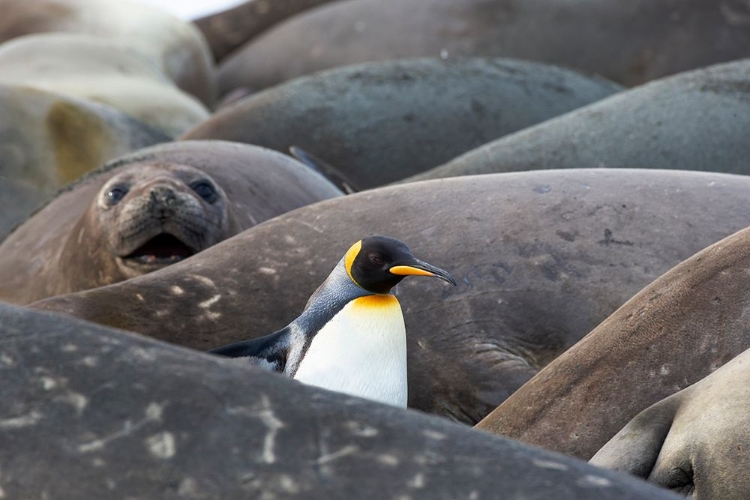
x: 361, y: 351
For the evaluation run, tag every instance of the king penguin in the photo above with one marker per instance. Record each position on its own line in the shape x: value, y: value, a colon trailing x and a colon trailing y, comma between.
x: 351, y: 337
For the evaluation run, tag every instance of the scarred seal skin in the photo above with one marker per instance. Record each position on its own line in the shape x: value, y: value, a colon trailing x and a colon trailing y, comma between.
x: 541, y: 258
x: 147, y: 414
x: 149, y: 210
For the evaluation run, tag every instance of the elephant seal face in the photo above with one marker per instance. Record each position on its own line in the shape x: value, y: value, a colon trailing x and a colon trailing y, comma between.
x: 694, y: 442
x: 148, y: 217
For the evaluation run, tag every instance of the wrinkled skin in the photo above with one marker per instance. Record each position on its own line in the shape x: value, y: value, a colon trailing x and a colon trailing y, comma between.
x: 693, y: 442
x: 692, y: 121
x: 149, y: 210
x: 381, y: 122
x: 628, y: 42
x: 153, y: 420
x: 541, y: 258
x: 673, y: 333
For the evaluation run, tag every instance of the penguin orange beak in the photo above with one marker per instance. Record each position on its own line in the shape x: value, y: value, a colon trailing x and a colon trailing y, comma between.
x: 419, y: 268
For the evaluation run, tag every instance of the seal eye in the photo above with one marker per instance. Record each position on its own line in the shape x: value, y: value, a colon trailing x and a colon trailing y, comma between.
x: 376, y: 259
x: 114, y: 195
x: 205, y: 191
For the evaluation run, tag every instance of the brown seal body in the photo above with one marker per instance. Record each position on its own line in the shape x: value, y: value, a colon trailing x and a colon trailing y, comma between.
x: 48, y: 140
x: 676, y: 331
x: 540, y: 258
x: 628, y: 42
x: 692, y: 121
x: 149, y: 210
x: 694, y: 441
x: 174, y: 46
x: 226, y: 30
x: 151, y: 417
x: 381, y: 122
x: 103, y: 71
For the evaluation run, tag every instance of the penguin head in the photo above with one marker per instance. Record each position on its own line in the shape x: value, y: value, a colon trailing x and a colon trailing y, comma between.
x: 378, y: 263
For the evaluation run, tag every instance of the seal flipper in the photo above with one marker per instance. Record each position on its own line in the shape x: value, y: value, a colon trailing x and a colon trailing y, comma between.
x: 270, y: 351
x: 636, y: 448
x: 325, y: 169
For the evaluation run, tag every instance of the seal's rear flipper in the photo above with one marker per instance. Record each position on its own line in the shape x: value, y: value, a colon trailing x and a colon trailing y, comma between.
x: 635, y: 449
x: 325, y: 169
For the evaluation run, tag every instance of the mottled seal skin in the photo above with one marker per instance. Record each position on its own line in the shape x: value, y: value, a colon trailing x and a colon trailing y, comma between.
x: 151, y: 417
x: 149, y: 210
x: 104, y: 71
x: 674, y: 332
x: 693, y: 121
x: 48, y: 140
x: 173, y: 45
x: 226, y: 30
x: 627, y: 42
x: 693, y: 442
x: 541, y: 258
x: 384, y: 121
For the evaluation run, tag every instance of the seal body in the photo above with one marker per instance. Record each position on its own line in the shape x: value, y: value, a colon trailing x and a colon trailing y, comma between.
x: 593, y: 36
x: 691, y: 442
x: 149, y: 210
x: 48, y: 140
x: 435, y: 111
x: 700, y: 124
x: 188, y: 411
x: 541, y: 258
x: 674, y: 332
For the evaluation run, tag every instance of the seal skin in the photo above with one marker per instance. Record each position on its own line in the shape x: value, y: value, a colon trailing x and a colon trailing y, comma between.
x: 381, y: 122
x: 159, y: 415
x: 104, y: 71
x: 226, y: 30
x: 671, y: 334
x: 175, y: 46
x: 627, y: 42
x: 48, y: 140
x: 148, y: 210
x: 692, y: 121
x: 540, y: 258
x: 692, y: 442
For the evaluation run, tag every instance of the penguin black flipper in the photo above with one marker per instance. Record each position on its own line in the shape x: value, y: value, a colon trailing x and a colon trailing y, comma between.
x: 325, y: 169
x: 269, y: 352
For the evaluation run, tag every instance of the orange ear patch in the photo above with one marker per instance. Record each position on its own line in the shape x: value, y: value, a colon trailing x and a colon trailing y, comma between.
x: 351, y: 254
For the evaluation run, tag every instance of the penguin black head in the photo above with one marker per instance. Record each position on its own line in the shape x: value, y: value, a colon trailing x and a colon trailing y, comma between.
x: 379, y: 263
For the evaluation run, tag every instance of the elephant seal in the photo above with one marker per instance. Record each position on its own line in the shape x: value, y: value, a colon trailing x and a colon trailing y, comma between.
x: 627, y: 42
x: 48, y: 140
x: 148, y: 210
x: 150, y: 417
x: 673, y: 333
x: 692, y: 121
x: 173, y: 45
x: 384, y: 121
x: 541, y: 258
x: 691, y: 442
x: 226, y: 30
x: 107, y: 72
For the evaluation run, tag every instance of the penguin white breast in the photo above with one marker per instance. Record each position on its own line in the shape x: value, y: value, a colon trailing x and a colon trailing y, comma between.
x: 361, y: 351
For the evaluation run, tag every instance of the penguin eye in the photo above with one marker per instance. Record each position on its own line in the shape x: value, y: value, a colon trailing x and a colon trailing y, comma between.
x: 114, y: 195
x: 376, y: 259
x: 205, y: 191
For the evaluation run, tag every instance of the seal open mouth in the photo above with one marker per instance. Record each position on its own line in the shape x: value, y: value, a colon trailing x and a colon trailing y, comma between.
x: 161, y: 249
